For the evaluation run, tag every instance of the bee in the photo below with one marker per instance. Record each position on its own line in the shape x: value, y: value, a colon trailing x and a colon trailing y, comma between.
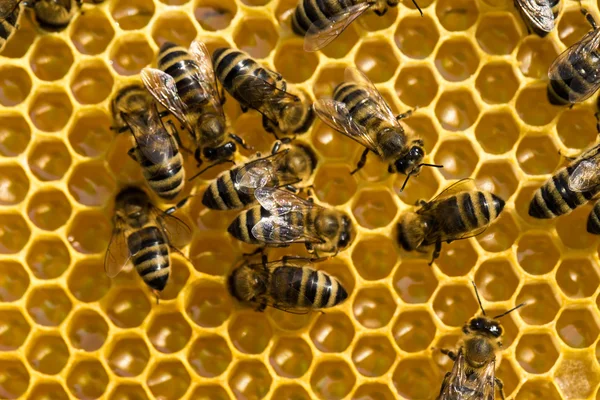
x: 285, y: 284
x: 458, y: 212
x: 257, y: 87
x: 574, y: 74
x: 569, y: 187
x: 234, y: 189
x: 185, y: 85
x: 358, y: 111
x: 473, y: 375
x: 156, y: 146
x: 144, y: 234
x: 538, y: 15
x: 282, y: 218
x: 321, y: 22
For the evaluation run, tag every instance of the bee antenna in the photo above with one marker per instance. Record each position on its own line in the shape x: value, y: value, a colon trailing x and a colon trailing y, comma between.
x: 405, y: 182
x: 478, y: 298
x: 431, y: 165
x: 509, y: 311
x: 419, y: 166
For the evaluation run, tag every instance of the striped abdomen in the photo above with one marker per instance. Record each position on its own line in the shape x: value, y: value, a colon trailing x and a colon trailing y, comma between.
x: 593, y: 222
x: 7, y: 26
x: 241, y: 227
x: 555, y: 198
x: 305, y: 287
x: 150, y: 256
x: 166, y: 179
x: 308, y: 12
x: 222, y: 194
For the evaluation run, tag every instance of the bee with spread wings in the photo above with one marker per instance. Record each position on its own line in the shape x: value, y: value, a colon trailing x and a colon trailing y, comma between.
x: 145, y: 235
x: 358, y: 111
x: 282, y: 218
x: 185, y: 85
x: 538, y: 15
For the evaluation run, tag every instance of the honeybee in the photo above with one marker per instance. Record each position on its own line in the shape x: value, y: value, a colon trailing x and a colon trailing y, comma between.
x: 234, y: 189
x: 538, y: 15
x: 569, y: 187
x: 359, y: 111
x: 257, y: 87
x: 282, y: 218
x: 321, y: 22
x: 574, y: 74
x: 458, y: 212
x: 473, y: 375
x: 185, y: 85
x: 156, y: 148
x: 289, y: 284
x: 144, y: 234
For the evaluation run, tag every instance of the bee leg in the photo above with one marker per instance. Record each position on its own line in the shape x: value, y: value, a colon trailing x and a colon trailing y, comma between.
x: 405, y: 114
x: 292, y: 189
x: 244, y: 108
x: 131, y: 153
x: 421, y: 203
x: 240, y: 141
x: 222, y: 96
x: 361, y: 162
x: 500, y: 387
x: 163, y: 114
x: 175, y: 134
x: 260, y: 250
x: 589, y: 17
x: 119, y: 130
x: 197, y: 157
x: 261, y: 307
x: 436, y: 251
x: 177, y: 206
x: 449, y: 353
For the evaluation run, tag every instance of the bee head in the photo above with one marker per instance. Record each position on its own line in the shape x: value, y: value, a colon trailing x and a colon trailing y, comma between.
x: 410, y: 163
x: 347, y: 233
x: 245, y: 283
x: 412, y: 230
x: 220, y: 153
x: 484, y: 326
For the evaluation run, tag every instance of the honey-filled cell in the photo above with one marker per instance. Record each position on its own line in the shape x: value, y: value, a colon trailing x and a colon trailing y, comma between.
x: 14, y: 281
x: 373, y: 307
x: 173, y: 27
x: 87, y: 379
x: 168, y: 379
x: 15, y: 134
x: 92, y: 32
x: 416, y: 37
x: 332, y: 379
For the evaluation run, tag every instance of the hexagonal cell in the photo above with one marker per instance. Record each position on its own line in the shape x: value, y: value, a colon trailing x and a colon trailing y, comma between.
x: 576, y: 128
x: 292, y: 71
x: 498, y: 177
x: 179, y: 277
x: 85, y: 283
x: 129, y: 391
x: 92, y: 83
x: 414, y: 330
x: 169, y: 332
x: 256, y: 36
x: 214, y: 15
x: 175, y: 27
x: 537, y: 254
x: 373, y: 22
x: 87, y: 379
x: 454, y: 305
x: 327, y: 79
x: 375, y: 257
x: 127, y: 308
x: 456, y: 59
x: 289, y: 322
x: 15, y: 85
x: 376, y: 59
x: 457, y: 258
x: 14, y: 183
x: 577, y: 376
x: 501, y: 235
x: 373, y: 391
x: 456, y: 15
x: 334, y: 184
x: 332, y: 379
x: 497, y: 131
x: 343, y: 43
x: 48, y: 354
x: 91, y: 184
x: 49, y: 159
x: 542, y: 303
x: 332, y: 332
x: 14, y: 378
x: 417, y: 378
x: 416, y: 86
x: 14, y: 233
x: 290, y: 392
x: 13, y: 329
x: 169, y: 380
x: 572, y: 27
x: 458, y: 158
x: 535, y: 56
x: 87, y: 330
x: 91, y: 32
x: 496, y: 279
x: 210, y: 392
x: 212, y: 254
x: 374, y: 307
x: 416, y: 37
x: 48, y: 258
x: 250, y: 380
x: 90, y: 135
x: 21, y: 39
x: 374, y: 208
x: 414, y: 281
x: 542, y: 114
x: 417, y: 189
x: 14, y: 134
x: 129, y: 356
x: 14, y: 281
x: 497, y: 33
x: 291, y: 357
x: 373, y: 355
x: 536, y: 352
x: 497, y: 83
x: 43, y: 391
x: 131, y: 53
x: 331, y: 143
x: 570, y: 232
x: 250, y: 333
x: 48, y: 306
x: 578, y: 328
x: 50, y: 110
x: 209, y: 356
x: 537, y: 155
x: 208, y: 304
x: 541, y: 388
x: 577, y: 278
x: 51, y: 58
x: 456, y: 110
x: 130, y: 15
x: 90, y: 241
x: 49, y: 209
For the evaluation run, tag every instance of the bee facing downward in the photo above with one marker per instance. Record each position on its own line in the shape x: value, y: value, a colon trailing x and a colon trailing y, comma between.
x: 288, y: 284
x: 185, y: 85
x: 282, y: 218
x: 234, y: 189
x: 359, y: 111
x: 473, y: 375
x: 144, y: 234
x: 458, y: 212
x: 538, y: 15
x: 156, y: 148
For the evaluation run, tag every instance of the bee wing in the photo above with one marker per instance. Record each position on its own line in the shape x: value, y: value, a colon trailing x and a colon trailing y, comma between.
x: 463, y: 185
x: 177, y: 232
x: 485, y: 382
x: 276, y: 230
x: 586, y: 176
x: 453, y: 383
x: 280, y: 202
x: 321, y: 33
x: 152, y: 139
x: 336, y: 115
x: 117, y: 254
x: 205, y: 74
x: 162, y: 87
x: 7, y: 7
x: 538, y: 13
x: 261, y: 172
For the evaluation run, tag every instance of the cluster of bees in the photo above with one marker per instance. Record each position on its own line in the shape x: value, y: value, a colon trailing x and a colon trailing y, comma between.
x: 190, y: 85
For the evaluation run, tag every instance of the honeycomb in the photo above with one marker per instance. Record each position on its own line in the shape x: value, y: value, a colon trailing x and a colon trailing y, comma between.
x: 477, y: 80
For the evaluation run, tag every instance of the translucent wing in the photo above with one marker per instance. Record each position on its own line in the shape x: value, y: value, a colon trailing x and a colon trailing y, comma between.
x: 152, y: 139
x: 280, y: 202
x: 336, y: 115
x: 162, y: 87
x: 586, y: 176
x: 263, y: 172
x: 463, y: 185
x: 277, y: 230
x: 178, y: 233
x: 320, y: 34
x: 117, y: 255
x: 478, y: 385
x: 205, y: 74
x: 7, y: 7
x: 538, y: 14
